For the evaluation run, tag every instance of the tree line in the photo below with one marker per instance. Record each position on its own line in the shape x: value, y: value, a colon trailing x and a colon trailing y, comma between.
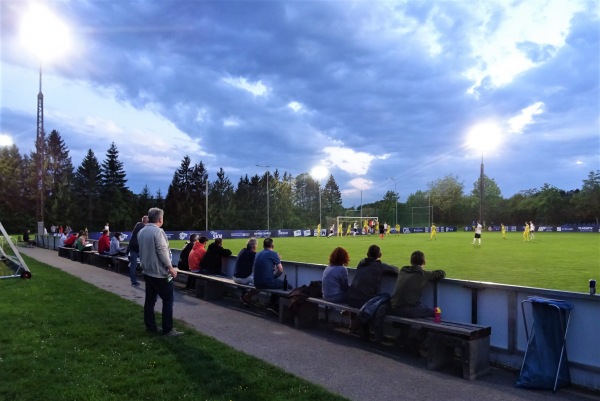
x: 96, y: 192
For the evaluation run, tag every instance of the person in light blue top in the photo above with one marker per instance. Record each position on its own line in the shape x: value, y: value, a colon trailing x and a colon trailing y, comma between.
x: 115, y: 246
x: 335, y: 277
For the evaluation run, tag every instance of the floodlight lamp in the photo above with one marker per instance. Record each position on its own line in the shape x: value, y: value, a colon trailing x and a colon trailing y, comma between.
x: 484, y: 137
x: 44, y: 34
x: 6, y: 140
x: 319, y: 172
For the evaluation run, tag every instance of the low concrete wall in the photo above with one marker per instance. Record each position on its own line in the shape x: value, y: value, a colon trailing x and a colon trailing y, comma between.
x: 490, y: 304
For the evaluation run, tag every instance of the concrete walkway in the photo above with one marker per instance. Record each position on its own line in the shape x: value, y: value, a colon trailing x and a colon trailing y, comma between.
x: 340, y: 362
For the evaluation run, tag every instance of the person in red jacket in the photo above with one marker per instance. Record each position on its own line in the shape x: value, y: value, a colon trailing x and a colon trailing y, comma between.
x: 70, y: 242
x: 196, y: 254
x: 104, y: 243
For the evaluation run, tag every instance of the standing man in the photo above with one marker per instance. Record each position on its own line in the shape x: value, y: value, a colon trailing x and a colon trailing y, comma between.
x: 267, y: 268
x: 158, y: 273
x: 133, y: 249
x: 503, y: 231
x: 477, y: 237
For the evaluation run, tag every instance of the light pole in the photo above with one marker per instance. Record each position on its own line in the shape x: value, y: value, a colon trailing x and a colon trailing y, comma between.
x: 484, y: 137
x: 268, y: 217
x: 396, y: 198
x: 45, y: 36
x: 319, y: 173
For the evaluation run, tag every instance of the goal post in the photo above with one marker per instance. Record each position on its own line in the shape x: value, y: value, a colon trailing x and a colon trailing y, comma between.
x: 343, y: 221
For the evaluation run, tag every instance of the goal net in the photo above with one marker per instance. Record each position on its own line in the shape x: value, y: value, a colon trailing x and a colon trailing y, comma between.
x: 11, y: 262
x: 342, y: 223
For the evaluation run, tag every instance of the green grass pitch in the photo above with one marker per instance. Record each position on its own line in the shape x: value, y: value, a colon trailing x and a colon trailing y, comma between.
x: 560, y: 261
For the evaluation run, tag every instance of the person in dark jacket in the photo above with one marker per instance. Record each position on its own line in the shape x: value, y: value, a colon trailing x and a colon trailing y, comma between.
x: 366, y: 282
x: 133, y: 250
x: 183, y: 264
x: 365, y: 285
x: 211, y: 263
x: 406, y: 299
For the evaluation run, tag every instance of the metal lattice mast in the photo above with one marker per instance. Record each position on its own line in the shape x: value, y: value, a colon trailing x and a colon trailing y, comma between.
x: 40, y: 147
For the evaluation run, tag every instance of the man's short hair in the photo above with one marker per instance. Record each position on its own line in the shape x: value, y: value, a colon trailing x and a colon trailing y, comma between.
x: 219, y: 241
x: 104, y: 232
x: 374, y: 252
x: 193, y: 237
x: 417, y: 258
x: 203, y: 240
x: 268, y: 242
x: 155, y: 214
x: 252, y: 243
x: 144, y: 219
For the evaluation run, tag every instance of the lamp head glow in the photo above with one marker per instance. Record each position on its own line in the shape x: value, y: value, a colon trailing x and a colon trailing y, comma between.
x: 44, y: 34
x: 5, y: 140
x: 484, y: 137
x: 319, y: 172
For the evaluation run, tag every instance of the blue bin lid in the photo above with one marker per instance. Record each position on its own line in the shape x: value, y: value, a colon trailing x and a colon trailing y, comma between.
x: 556, y: 302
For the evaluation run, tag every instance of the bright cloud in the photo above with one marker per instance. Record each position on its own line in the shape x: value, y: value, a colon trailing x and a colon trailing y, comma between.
x: 295, y: 106
x: 231, y: 122
x: 497, y: 45
x: 361, y: 184
x: 257, y: 88
x: 350, y: 161
x: 518, y: 122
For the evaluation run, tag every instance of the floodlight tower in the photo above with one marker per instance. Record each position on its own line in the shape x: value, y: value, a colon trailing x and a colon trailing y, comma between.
x: 484, y: 137
x: 40, y: 141
x: 45, y: 36
x: 396, y: 200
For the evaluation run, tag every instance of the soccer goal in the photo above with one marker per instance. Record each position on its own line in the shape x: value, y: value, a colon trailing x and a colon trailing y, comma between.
x: 343, y: 222
x: 11, y: 262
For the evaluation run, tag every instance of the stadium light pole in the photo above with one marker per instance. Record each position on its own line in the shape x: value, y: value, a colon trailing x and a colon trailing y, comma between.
x: 268, y: 216
x: 319, y: 173
x: 396, y: 196
x: 484, y: 138
x: 46, y: 37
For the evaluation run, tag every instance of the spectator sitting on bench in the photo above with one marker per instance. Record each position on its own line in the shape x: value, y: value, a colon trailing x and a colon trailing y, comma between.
x: 335, y: 277
x: 28, y: 242
x: 267, y: 268
x: 366, y: 285
x: 406, y: 299
x: 104, y: 243
x: 70, y: 241
x: 212, y: 263
x: 115, y: 247
x: 196, y: 254
x: 243, y: 270
x: 62, y: 239
x: 184, y: 258
x: 81, y: 244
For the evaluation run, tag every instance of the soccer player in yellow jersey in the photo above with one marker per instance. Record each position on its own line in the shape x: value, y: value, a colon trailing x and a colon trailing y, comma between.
x: 366, y: 227
x: 319, y: 230
x: 349, y: 229
x: 526, y: 232
x: 433, y: 234
x: 503, y: 230
x: 388, y: 229
x: 397, y: 229
x: 340, y: 231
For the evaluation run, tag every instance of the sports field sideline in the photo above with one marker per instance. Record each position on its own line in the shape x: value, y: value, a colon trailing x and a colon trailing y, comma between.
x: 559, y: 261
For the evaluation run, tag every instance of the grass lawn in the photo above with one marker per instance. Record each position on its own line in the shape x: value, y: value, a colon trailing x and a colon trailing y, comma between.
x: 561, y: 261
x: 64, y: 339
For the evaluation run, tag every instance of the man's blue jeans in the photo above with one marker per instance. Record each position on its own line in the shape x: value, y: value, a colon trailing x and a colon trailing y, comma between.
x: 164, y: 289
x: 133, y: 262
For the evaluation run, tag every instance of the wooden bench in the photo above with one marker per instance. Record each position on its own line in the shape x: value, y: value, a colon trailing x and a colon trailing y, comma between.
x: 211, y: 287
x: 64, y: 251
x: 472, y: 340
